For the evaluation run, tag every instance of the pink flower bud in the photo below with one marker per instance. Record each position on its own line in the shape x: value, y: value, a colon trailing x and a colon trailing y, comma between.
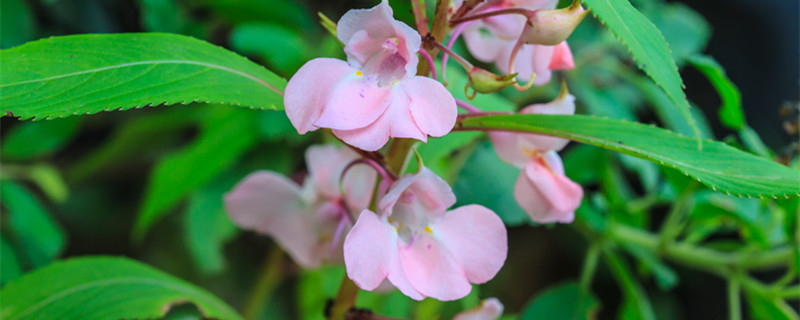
x: 551, y: 27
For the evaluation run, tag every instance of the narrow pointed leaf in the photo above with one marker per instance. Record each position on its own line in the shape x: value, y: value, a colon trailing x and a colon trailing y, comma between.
x: 718, y: 165
x: 103, y: 288
x: 85, y: 74
x: 647, y: 47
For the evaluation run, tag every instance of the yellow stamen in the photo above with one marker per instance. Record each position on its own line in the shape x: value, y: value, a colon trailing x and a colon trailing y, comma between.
x: 359, y: 73
x: 428, y: 229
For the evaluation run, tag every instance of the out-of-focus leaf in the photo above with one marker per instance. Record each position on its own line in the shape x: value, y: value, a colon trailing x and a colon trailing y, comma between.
x: 762, y: 307
x: 488, y: 181
x: 602, y: 95
x: 648, y: 171
x: 226, y: 135
x: 162, y: 16
x: 445, y: 155
x: 753, y: 142
x: 283, y: 48
x: 136, y: 136
x: 666, y: 278
x: 580, y: 163
x: 286, y: 12
x: 103, y: 288
x: 208, y: 228
x: 85, y: 74
x: 635, y: 304
x: 10, y: 267
x: 564, y: 301
x: 276, y: 126
x: 686, y: 31
x: 718, y: 165
x: 648, y: 48
x: 40, y: 236
x: 29, y: 140
x: 183, y: 312
x: 50, y: 181
x: 758, y: 225
x: 730, y: 113
x: 315, y: 288
x: 390, y: 304
x: 16, y: 23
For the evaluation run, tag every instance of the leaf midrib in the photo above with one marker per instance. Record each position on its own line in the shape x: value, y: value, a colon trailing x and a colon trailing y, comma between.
x: 147, y: 62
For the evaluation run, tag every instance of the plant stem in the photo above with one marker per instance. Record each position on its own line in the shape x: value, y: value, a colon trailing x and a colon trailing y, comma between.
x: 419, y: 17
x: 590, y: 266
x: 345, y: 299
x: 793, y: 292
x: 466, y: 7
x: 699, y: 257
x: 734, y: 300
x: 524, y: 12
x: 672, y: 227
x: 398, y: 154
x: 267, y: 282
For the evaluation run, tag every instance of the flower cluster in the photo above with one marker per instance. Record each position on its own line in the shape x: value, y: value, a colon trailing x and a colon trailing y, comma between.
x: 409, y: 236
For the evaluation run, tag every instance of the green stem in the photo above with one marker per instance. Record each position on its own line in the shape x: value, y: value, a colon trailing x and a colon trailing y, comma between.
x: 590, y: 266
x: 699, y: 257
x: 265, y: 285
x: 790, y: 293
x: 345, y: 299
x: 398, y: 155
x: 734, y: 300
x: 672, y: 226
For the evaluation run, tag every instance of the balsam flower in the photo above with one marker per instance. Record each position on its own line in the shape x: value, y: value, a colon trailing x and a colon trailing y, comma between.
x: 493, y: 39
x: 375, y: 95
x: 308, y: 222
x: 489, y: 309
x: 542, y: 189
x: 423, y: 249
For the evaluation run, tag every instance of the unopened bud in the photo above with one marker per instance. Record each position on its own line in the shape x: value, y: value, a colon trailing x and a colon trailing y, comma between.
x: 484, y: 81
x: 551, y: 27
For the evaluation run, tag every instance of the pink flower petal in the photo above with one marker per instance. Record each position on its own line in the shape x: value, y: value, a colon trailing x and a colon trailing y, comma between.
x: 564, y: 106
x: 432, y: 194
x: 325, y: 165
x: 432, y: 270
x: 476, y: 238
x: 485, y: 47
x: 509, y: 147
x: 370, y: 255
x: 489, y: 309
x: 357, y: 102
x: 432, y: 106
x: 562, y: 58
x: 309, y: 90
x: 396, y: 122
x: 545, y: 193
x: 269, y: 203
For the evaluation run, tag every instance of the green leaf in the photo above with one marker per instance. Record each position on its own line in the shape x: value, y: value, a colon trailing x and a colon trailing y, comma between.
x: 103, y: 288
x: 284, y: 49
x: 49, y: 179
x: 635, y: 304
x: 666, y: 278
x: 40, y: 236
x: 29, y: 140
x: 10, y: 267
x: 16, y: 23
x: 208, y: 228
x: 718, y: 165
x: 648, y: 48
x: 488, y: 181
x: 686, y: 31
x: 226, y: 135
x: 85, y: 74
x: 763, y: 307
x: 563, y: 301
x: 315, y: 288
x: 752, y: 141
x: 730, y: 113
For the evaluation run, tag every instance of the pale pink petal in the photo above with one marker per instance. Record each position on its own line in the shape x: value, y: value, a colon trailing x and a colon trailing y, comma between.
x: 357, y: 102
x: 562, y: 106
x: 432, y: 106
x: 509, y: 148
x: 370, y: 249
x: 545, y: 194
x: 377, y: 20
x: 562, y: 58
x: 325, y: 165
x: 489, y: 309
x: 541, y: 63
x: 424, y: 190
x: 269, y: 203
x: 358, y: 186
x: 432, y: 270
x: 504, y: 27
x: 476, y: 238
x: 309, y: 90
x: 483, y: 45
x: 396, y: 122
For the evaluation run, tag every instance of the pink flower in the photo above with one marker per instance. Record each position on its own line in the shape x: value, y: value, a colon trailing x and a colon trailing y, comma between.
x: 307, y: 222
x: 493, y: 39
x: 489, y: 309
x: 375, y: 94
x: 542, y: 189
x: 423, y: 249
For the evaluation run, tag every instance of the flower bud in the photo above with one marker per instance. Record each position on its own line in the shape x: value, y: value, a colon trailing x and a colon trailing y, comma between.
x: 486, y: 82
x: 551, y: 27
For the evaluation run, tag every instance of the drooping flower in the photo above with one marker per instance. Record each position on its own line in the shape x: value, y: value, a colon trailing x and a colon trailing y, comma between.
x: 542, y: 189
x: 489, y: 309
x: 375, y: 95
x: 421, y: 247
x: 493, y: 39
x: 308, y: 222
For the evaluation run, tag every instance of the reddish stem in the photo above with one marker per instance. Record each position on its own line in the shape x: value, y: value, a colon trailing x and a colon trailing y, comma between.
x: 524, y: 12
x: 428, y: 58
